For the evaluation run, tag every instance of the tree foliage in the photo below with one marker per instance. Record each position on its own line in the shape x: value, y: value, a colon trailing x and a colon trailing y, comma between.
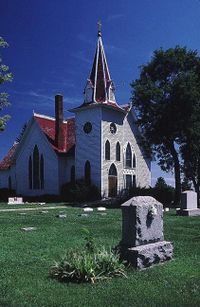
x: 5, y: 76
x: 165, y: 97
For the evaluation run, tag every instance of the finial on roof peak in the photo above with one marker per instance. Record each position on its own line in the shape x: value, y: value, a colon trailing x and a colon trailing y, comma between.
x: 99, y: 27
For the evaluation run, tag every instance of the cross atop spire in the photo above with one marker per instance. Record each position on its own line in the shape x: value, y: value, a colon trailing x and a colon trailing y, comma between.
x: 99, y: 87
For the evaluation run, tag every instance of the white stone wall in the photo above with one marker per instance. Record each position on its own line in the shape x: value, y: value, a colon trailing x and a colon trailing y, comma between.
x: 109, y: 116
x: 142, y: 170
x: 88, y: 146
x: 126, y: 133
x: 51, y: 181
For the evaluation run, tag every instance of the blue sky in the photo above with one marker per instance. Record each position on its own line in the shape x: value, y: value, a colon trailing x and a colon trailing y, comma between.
x: 52, y: 44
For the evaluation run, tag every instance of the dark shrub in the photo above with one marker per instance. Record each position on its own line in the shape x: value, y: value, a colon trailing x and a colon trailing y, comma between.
x: 5, y: 193
x: 79, y: 191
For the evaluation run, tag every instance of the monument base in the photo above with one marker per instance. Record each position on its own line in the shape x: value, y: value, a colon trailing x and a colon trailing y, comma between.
x: 144, y: 256
x: 188, y: 212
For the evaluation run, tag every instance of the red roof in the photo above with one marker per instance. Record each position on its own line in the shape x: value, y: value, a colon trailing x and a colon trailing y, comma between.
x: 8, y: 159
x: 47, y: 125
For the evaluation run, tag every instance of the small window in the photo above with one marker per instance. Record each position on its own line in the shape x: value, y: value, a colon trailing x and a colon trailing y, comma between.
x: 41, y: 172
x: 128, y: 181
x: 36, y: 168
x: 128, y: 156
x: 30, y: 173
x: 87, y: 173
x: 113, y: 128
x: 134, y: 161
x: 118, y: 158
x: 112, y: 170
x: 107, y: 150
x: 87, y: 127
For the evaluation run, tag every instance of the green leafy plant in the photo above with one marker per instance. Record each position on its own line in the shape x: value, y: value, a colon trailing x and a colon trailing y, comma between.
x: 88, y: 265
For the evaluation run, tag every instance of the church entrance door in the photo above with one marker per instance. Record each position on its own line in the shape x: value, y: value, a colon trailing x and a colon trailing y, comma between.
x: 112, y: 181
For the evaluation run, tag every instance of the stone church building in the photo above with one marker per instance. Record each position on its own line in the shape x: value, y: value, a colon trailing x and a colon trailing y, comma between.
x: 100, y: 143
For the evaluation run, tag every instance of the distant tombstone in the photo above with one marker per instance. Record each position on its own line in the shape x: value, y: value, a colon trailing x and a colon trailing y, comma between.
x: 84, y: 214
x: 28, y: 228
x: 88, y: 209
x: 15, y: 201
x: 166, y: 209
x: 142, y: 243
x: 61, y: 216
x: 188, y: 204
x: 101, y: 209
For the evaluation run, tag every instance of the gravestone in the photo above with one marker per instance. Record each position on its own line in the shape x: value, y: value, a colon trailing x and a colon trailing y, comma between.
x: 15, y: 201
x: 61, y: 216
x: 188, y: 204
x: 29, y: 228
x: 142, y: 243
x: 88, y: 209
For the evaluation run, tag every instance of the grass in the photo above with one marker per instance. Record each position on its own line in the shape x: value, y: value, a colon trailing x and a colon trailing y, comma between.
x: 26, y: 258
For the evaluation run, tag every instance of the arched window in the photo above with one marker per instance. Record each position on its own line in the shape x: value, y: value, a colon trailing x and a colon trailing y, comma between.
x: 41, y: 172
x: 87, y: 173
x: 112, y: 170
x: 118, y: 152
x: 107, y: 150
x: 30, y: 173
x: 128, y: 156
x: 36, y: 168
x: 72, y: 174
x: 112, y: 181
x: 134, y: 161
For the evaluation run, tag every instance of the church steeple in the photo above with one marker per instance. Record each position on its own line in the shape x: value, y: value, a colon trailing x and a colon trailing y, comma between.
x: 99, y: 87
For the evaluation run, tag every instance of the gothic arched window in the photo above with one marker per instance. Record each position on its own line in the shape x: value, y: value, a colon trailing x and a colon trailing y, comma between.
x: 128, y: 156
x: 118, y: 152
x: 41, y: 172
x: 134, y: 160
x: 87, y: 173
x: 36, y: 168
x: 107, y: 150
x: 112, y: 170
x: 30, y: 173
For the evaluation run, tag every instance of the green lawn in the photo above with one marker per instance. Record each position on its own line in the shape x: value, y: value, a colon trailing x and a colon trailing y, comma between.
x: 26, y: 258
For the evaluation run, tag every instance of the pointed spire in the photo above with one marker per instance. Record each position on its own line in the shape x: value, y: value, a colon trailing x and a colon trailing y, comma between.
x: 99, y: 87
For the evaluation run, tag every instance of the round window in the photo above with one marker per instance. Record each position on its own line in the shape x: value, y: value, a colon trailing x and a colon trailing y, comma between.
x: 87, y: 128
x: 113, y: 128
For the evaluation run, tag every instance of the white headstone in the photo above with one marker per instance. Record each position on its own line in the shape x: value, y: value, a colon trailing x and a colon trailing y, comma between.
x: 189, y: 200
x: 101, y: 209
x: 15, y: 200
x: 88, y: 209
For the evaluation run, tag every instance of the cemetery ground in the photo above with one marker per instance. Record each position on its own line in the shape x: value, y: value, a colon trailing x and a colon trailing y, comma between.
x: 26, y: 258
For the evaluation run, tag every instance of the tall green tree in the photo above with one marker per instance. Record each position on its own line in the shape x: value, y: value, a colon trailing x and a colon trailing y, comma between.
x: 163, y: 98
x: 5, y: 76
x: 190, y: 150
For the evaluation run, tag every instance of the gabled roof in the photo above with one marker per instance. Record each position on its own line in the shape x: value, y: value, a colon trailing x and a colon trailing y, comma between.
x: 8, y: 160
x: 47, y: 125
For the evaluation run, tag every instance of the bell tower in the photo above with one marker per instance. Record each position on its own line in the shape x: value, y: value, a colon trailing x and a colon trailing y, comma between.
x: 98, y: 110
